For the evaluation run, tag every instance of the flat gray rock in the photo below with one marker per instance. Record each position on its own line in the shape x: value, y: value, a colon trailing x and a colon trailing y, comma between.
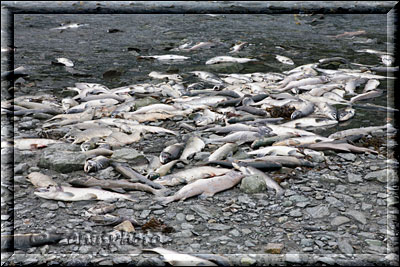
x: 320, y: 211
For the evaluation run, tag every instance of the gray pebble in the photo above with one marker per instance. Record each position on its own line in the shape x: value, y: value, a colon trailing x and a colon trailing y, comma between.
x: 180, y: 217
x: 354, y: 178
x: 339, y: 220
x: 144, y: 214
x: 345, y: 247
x: 296, y: 213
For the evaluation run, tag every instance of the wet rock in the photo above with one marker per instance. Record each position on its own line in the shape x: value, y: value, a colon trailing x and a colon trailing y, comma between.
x: 202, y: 211
x: 144, y: 214
x: 125, y: 226
x: 372, y: 242
x: 127, y: 154
x: 382, y: 176
x: 247, y: 261
x: 339, y: 220
x: 21, y: 168
x: 357, y: 215
x: 201, y: 156
x: 62, y: 161
x: 122, y: 260
x: 49, y: 205
x: 274, y: 248
x: 253, y: 184
x: 218, y: 227
x: 345, y: 247
x: 296, y: 213
x: 354, y: 178
x: 235, y: 233
x: 320, y: 211
x: 293, y: 258
x: 190, y: 217
x: 347, y: 156
x: 180, y: 217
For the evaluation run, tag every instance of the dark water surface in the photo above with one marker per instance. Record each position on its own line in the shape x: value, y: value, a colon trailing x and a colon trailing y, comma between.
x: 94, y: 50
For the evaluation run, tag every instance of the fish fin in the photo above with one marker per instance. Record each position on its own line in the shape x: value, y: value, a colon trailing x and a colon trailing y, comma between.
x: 164, y: 200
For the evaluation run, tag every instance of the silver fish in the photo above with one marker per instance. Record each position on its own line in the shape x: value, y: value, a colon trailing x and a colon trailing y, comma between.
x: 95, y: 164
x: 221, y: 59
x: 238, y: 46
x: 284, y: 60
x: 277, y: 150
x: 171, y: 152
x: 346, y: 114
x: 190, y: 175
x: 67, y: 193
x: 159, y: 75
x: 40, y: 180
x: 65, y: 61
x: 387, y: 60
x: 208, y: 77
x: 193, y: 145
x: 310, y: 122
x: 239, y: 137
x: 327, y: 110
x: 204, y: 187
x: 223, y: 151
x: 306, y: 109
x: 165, y: 57
x: 367, y: 95
x: 371, y: 85
x: 362, y: 130
x: 179, y: 259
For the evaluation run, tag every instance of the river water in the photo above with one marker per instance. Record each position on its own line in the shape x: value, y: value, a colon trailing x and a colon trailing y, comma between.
x: 95, y: 51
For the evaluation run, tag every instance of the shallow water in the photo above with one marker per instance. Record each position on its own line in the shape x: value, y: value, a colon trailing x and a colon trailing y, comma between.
x: 95, y: 51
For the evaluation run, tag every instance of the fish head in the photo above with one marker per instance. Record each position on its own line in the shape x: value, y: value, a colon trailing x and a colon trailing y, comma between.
x: 90, y: 165
x: 164, y: 157
x: 49, y: 192
x: 264, y: 130
x: 296, y: 114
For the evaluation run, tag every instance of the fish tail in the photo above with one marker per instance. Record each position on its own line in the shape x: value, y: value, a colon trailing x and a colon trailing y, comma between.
x: 165, y: 200
x: 162, y: 192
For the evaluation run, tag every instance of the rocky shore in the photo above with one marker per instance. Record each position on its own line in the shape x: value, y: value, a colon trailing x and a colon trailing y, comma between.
x: 342, y: 211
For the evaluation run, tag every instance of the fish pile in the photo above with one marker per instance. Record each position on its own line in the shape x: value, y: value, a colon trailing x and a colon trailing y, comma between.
x: 235, y: 117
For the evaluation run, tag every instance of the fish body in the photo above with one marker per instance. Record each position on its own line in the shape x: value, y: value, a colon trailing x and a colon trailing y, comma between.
x: 357, y: 131
x: 222, y: 59
x: 346, y: 114
x: 32, y: 143
x: 179, y: 259
x: 65, y: 61
x: 200, y: 45
x: 159, y: 75
x: 171, y: 152
x: 190, y: 175
x: 327, y: 110
x: 371, y: 85
x: 278, y: 151
x: 95, y: 164
x: 284, y: 130
x: 110, y: 184
x: 193, y: 145
x: 248, y: 170
x: 67, y: 193
x: 233, y: 128
x: 238, y: 46
x: 306, y: 109
x: 387, y: 60
x: 223, y: 151
x: 208, y: 77
x: 165, y: 57
x: 205, y: 187
x: 295, y: 141
x: 70, y: 26
x: 284, y: 60
x: 367, y: 95
x: 267, y: 141
x: 40, y: 180
x: 238, y: 137
x: 287, y: 161
x: 310, y: 122
x: 88, y: 134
